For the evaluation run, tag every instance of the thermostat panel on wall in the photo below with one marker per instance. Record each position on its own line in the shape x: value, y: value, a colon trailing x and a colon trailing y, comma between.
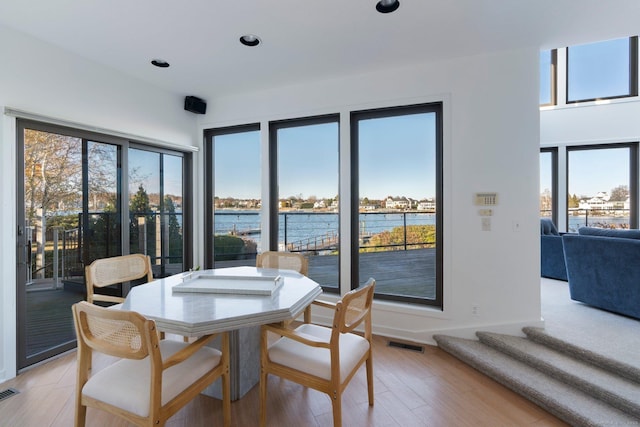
x: 486, y: 199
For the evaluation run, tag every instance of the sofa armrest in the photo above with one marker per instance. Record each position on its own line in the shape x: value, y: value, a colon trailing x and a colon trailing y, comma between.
x: 604, y: 272
x: 552, y: 263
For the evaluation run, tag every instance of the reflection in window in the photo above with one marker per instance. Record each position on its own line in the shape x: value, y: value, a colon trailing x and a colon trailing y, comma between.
x: 602, y: 70
x: 155, y: 209
x: 104, y: 202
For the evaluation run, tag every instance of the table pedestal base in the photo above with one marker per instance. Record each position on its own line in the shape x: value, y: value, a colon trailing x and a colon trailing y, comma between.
x: 244, y: 363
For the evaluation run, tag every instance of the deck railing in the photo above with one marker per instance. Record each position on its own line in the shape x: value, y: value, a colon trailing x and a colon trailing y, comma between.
x: 602, y: 218
x: 318, y: 232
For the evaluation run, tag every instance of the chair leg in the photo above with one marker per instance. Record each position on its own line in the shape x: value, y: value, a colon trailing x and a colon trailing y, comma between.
x: 264, y: 359
x: 370, y: 379
x: 263, y: 398
x: 226, y: 400
x: 81, y: 415
x: 336, y: 403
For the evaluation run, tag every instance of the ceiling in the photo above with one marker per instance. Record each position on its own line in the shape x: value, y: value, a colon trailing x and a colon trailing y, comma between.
x: 303, y: 40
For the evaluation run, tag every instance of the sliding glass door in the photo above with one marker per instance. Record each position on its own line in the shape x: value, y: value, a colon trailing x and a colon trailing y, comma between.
x: 69, y: 215
x: 84, y: 196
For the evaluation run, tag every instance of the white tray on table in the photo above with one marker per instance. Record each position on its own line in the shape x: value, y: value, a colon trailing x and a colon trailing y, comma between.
x: 218, y: 284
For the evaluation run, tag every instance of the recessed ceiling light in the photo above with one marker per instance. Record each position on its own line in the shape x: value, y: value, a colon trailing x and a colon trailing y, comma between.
x: 250, y: 40
x: 160, y: 63
x: 387, y: 6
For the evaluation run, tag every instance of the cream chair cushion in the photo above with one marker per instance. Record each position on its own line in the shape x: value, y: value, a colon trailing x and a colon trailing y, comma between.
x: 317, y: 361
x: 126, y: 383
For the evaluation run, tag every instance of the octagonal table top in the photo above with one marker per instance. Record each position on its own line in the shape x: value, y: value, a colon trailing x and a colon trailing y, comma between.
x: 201, y: 313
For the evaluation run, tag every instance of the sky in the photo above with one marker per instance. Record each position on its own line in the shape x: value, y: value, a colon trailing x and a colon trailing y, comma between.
x: 397, y: 158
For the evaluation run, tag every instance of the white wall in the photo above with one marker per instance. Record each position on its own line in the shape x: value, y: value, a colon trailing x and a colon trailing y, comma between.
x: 44, y: 80
x: 491, y: 144
x: 591, y: 123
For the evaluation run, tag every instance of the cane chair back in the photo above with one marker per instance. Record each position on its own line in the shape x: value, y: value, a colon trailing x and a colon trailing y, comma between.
x: 140, y: 387
x: 109, y: 271
x: 283, y: 261
x: 286, y: 261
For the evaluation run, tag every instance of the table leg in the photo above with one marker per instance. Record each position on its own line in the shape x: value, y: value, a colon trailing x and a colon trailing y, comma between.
x: 244, y: 363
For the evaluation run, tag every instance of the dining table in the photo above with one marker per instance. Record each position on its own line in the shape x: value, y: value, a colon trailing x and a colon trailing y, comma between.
x: 236, y: 300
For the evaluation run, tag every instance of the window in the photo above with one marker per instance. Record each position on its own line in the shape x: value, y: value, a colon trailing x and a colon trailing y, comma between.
x: 396, y: 197
x: 233, y: 196
x: 602, y: 70
x: 397, y: 185
x: 304, y: 158
x: 602, y: 186
x: 155, y: 209
x: 548, y: 167
x: 548, y: 59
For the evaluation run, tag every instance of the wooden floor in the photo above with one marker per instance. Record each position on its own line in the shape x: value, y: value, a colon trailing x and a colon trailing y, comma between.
x: 411, y: 389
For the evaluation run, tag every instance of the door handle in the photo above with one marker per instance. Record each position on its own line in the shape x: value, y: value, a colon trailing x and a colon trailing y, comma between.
x: 28, y: 247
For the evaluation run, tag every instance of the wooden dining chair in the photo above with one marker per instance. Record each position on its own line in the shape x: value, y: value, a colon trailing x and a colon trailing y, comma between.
x: 283, y: 260
x: 109, y: 271
x: 319, y: 357
x: 153, y: 379
x: 286, y: 261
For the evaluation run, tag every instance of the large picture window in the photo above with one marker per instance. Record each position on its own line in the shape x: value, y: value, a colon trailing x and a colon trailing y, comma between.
x: 233, y: 196
x: 304, y: 193
x: 602, y: 186
x: 397, y: 187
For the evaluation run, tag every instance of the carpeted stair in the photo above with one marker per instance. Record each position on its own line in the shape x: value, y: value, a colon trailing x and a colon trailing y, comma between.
x: 576, y: 385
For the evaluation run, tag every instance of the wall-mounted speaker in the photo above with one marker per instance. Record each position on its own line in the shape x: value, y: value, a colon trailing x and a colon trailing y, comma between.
x: 195, y: 105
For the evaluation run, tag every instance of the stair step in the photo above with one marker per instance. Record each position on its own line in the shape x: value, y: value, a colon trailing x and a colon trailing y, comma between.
x: 619, y: 367
x: 617, y: 391
x: 572, y: 405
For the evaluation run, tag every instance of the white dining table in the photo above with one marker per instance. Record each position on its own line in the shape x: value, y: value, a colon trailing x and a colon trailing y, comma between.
x: 193, y: 314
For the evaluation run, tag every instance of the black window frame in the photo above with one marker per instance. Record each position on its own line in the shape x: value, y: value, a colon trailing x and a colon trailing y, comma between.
x: 634, y: 175
x: 274, y: 196
x: 438, y: 109
x: 209, y: 185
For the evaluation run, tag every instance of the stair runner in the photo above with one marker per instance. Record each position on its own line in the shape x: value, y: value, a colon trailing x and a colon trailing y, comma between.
x: 575, y: 385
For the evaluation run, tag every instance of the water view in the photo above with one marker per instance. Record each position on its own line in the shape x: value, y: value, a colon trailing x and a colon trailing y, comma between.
x: 300, y: 230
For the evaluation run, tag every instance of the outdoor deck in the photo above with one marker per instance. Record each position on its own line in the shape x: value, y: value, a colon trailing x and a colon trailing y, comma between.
x: 49, y: 319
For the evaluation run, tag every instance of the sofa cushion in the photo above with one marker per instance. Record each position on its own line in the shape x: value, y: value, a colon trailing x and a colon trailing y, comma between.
x: 609, y: 232
x: 548, y: 227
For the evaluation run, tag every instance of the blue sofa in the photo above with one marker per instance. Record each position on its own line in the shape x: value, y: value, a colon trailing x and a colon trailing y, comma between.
x: 603, y: 268
x: 551, y: 251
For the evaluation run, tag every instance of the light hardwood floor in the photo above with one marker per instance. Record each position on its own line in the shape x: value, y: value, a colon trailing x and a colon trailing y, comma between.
x: 411, y: 389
